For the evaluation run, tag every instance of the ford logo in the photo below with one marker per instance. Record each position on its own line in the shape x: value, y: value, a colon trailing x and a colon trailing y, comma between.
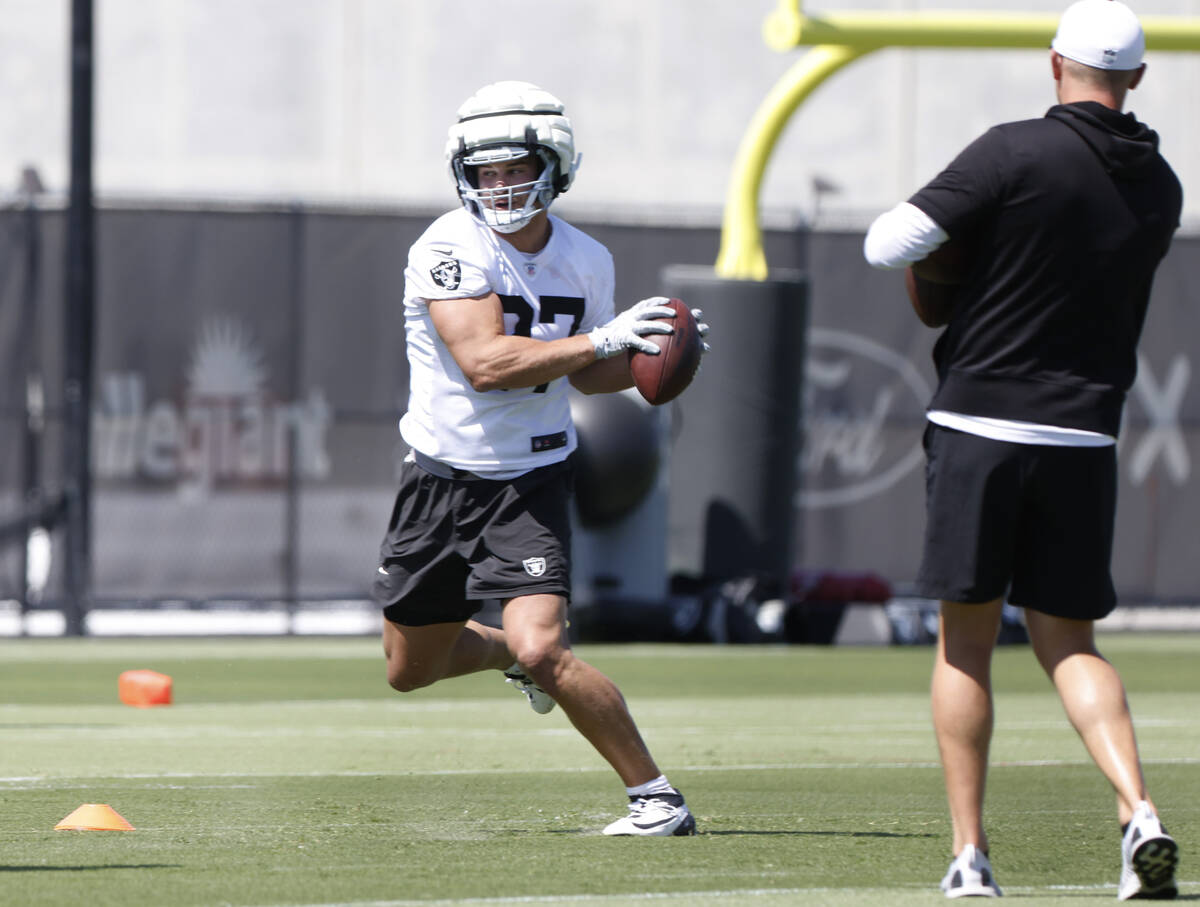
x: 864, y: 412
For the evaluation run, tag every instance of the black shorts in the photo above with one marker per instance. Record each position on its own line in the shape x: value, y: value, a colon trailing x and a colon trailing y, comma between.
x: 452, y: 544
x: 1033, y: 520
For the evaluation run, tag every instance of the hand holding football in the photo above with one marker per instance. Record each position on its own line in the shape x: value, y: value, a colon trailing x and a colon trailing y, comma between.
x: 663, y: 377
x: 933, y: 282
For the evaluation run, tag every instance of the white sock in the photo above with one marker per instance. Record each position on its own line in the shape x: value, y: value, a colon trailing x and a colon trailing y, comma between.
x: 659, y: 785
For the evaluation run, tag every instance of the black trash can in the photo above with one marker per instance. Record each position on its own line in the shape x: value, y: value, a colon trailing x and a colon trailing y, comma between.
x: 736, y: 431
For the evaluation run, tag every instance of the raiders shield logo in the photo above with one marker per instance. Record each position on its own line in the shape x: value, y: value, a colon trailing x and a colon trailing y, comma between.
x: 447, y: 274
x: 534, y: 566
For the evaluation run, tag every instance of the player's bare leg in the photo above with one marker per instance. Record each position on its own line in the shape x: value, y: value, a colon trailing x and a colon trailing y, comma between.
x: 962, y: 711
x: 1094, y: 699
x: 535, y: 631
x: 419, y: 656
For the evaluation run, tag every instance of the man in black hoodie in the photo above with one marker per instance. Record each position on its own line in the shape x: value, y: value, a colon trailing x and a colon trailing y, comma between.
x: 1036, y: 248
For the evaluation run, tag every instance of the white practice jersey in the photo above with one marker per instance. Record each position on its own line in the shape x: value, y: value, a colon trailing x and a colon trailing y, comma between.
x: 565, y: 289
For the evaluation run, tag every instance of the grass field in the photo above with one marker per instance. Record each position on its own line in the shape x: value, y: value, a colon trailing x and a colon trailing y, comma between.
x: 287, y: 772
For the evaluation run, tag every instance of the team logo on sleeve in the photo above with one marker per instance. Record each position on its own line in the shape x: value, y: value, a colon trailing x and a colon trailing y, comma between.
x: 447, y: 274
x: 534, y: 566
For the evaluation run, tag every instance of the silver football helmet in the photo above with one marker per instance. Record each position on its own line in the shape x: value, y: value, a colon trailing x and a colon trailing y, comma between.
x: 505, y: 121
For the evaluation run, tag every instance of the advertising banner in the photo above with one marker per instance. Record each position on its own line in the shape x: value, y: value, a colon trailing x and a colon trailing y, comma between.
x: 250, y: 372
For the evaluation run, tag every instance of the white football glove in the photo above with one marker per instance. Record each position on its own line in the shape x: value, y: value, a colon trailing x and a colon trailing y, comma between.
x: 624, y: 332
x: 701, y: 329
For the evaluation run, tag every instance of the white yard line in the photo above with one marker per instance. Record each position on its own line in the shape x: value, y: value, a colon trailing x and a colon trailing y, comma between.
x: 16, y: 781
x: 722, y: 895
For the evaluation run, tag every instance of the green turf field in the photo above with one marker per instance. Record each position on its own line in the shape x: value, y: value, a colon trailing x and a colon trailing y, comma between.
x: 286, y: 772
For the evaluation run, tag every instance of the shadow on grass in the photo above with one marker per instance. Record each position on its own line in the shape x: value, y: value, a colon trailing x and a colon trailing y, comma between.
x: 828, y: 834
x: 96, y: 868
x: 52, y: 726
x: 1086, y: 894
x: 701, y: 831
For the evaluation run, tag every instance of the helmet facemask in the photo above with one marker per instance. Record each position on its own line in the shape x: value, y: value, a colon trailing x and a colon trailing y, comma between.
x: 508, y: 208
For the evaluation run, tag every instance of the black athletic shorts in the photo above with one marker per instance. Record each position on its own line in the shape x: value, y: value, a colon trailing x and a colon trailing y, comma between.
x: 1033, y: 520
x: 453, y: 543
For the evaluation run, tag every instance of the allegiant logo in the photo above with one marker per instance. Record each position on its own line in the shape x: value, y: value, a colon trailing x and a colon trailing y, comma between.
x: 228, y: 428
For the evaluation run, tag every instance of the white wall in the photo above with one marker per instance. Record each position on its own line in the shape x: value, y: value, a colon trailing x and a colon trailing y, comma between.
x: 334, y: 100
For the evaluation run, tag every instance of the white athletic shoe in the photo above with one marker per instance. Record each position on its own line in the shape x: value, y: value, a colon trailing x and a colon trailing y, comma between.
x: 970, y: 876
x: 539, y: 699
x: 1148, y: 858
x: 656, y: 815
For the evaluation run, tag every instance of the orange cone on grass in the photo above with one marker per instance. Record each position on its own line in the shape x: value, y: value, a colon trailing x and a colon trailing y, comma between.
x: 144, y: 688
x: 94, y: 817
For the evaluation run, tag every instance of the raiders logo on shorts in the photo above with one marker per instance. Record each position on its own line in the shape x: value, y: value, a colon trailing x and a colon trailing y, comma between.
x: 447, y: 274
x: 534, y: 566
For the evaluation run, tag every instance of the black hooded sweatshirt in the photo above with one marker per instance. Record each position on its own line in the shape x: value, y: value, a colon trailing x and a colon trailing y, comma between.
x: 1067, y: 218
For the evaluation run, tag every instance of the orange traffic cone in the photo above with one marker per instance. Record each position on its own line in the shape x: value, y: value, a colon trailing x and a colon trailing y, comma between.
x: 94, y: 817
x: 144, y: 688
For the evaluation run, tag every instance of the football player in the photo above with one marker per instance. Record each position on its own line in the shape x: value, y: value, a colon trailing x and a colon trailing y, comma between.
x: 504, y: 305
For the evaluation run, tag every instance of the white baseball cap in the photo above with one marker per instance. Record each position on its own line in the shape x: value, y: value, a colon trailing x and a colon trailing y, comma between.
x: 1104, y: 34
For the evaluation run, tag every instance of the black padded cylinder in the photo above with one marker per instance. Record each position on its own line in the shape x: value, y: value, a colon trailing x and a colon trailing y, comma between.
x: 736, y: 429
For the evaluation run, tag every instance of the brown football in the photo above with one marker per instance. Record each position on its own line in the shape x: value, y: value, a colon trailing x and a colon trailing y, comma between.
x: 662, y: 378
x: 933, y: 282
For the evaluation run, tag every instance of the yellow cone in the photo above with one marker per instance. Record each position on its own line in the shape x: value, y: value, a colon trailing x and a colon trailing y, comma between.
x: 94, y: 817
